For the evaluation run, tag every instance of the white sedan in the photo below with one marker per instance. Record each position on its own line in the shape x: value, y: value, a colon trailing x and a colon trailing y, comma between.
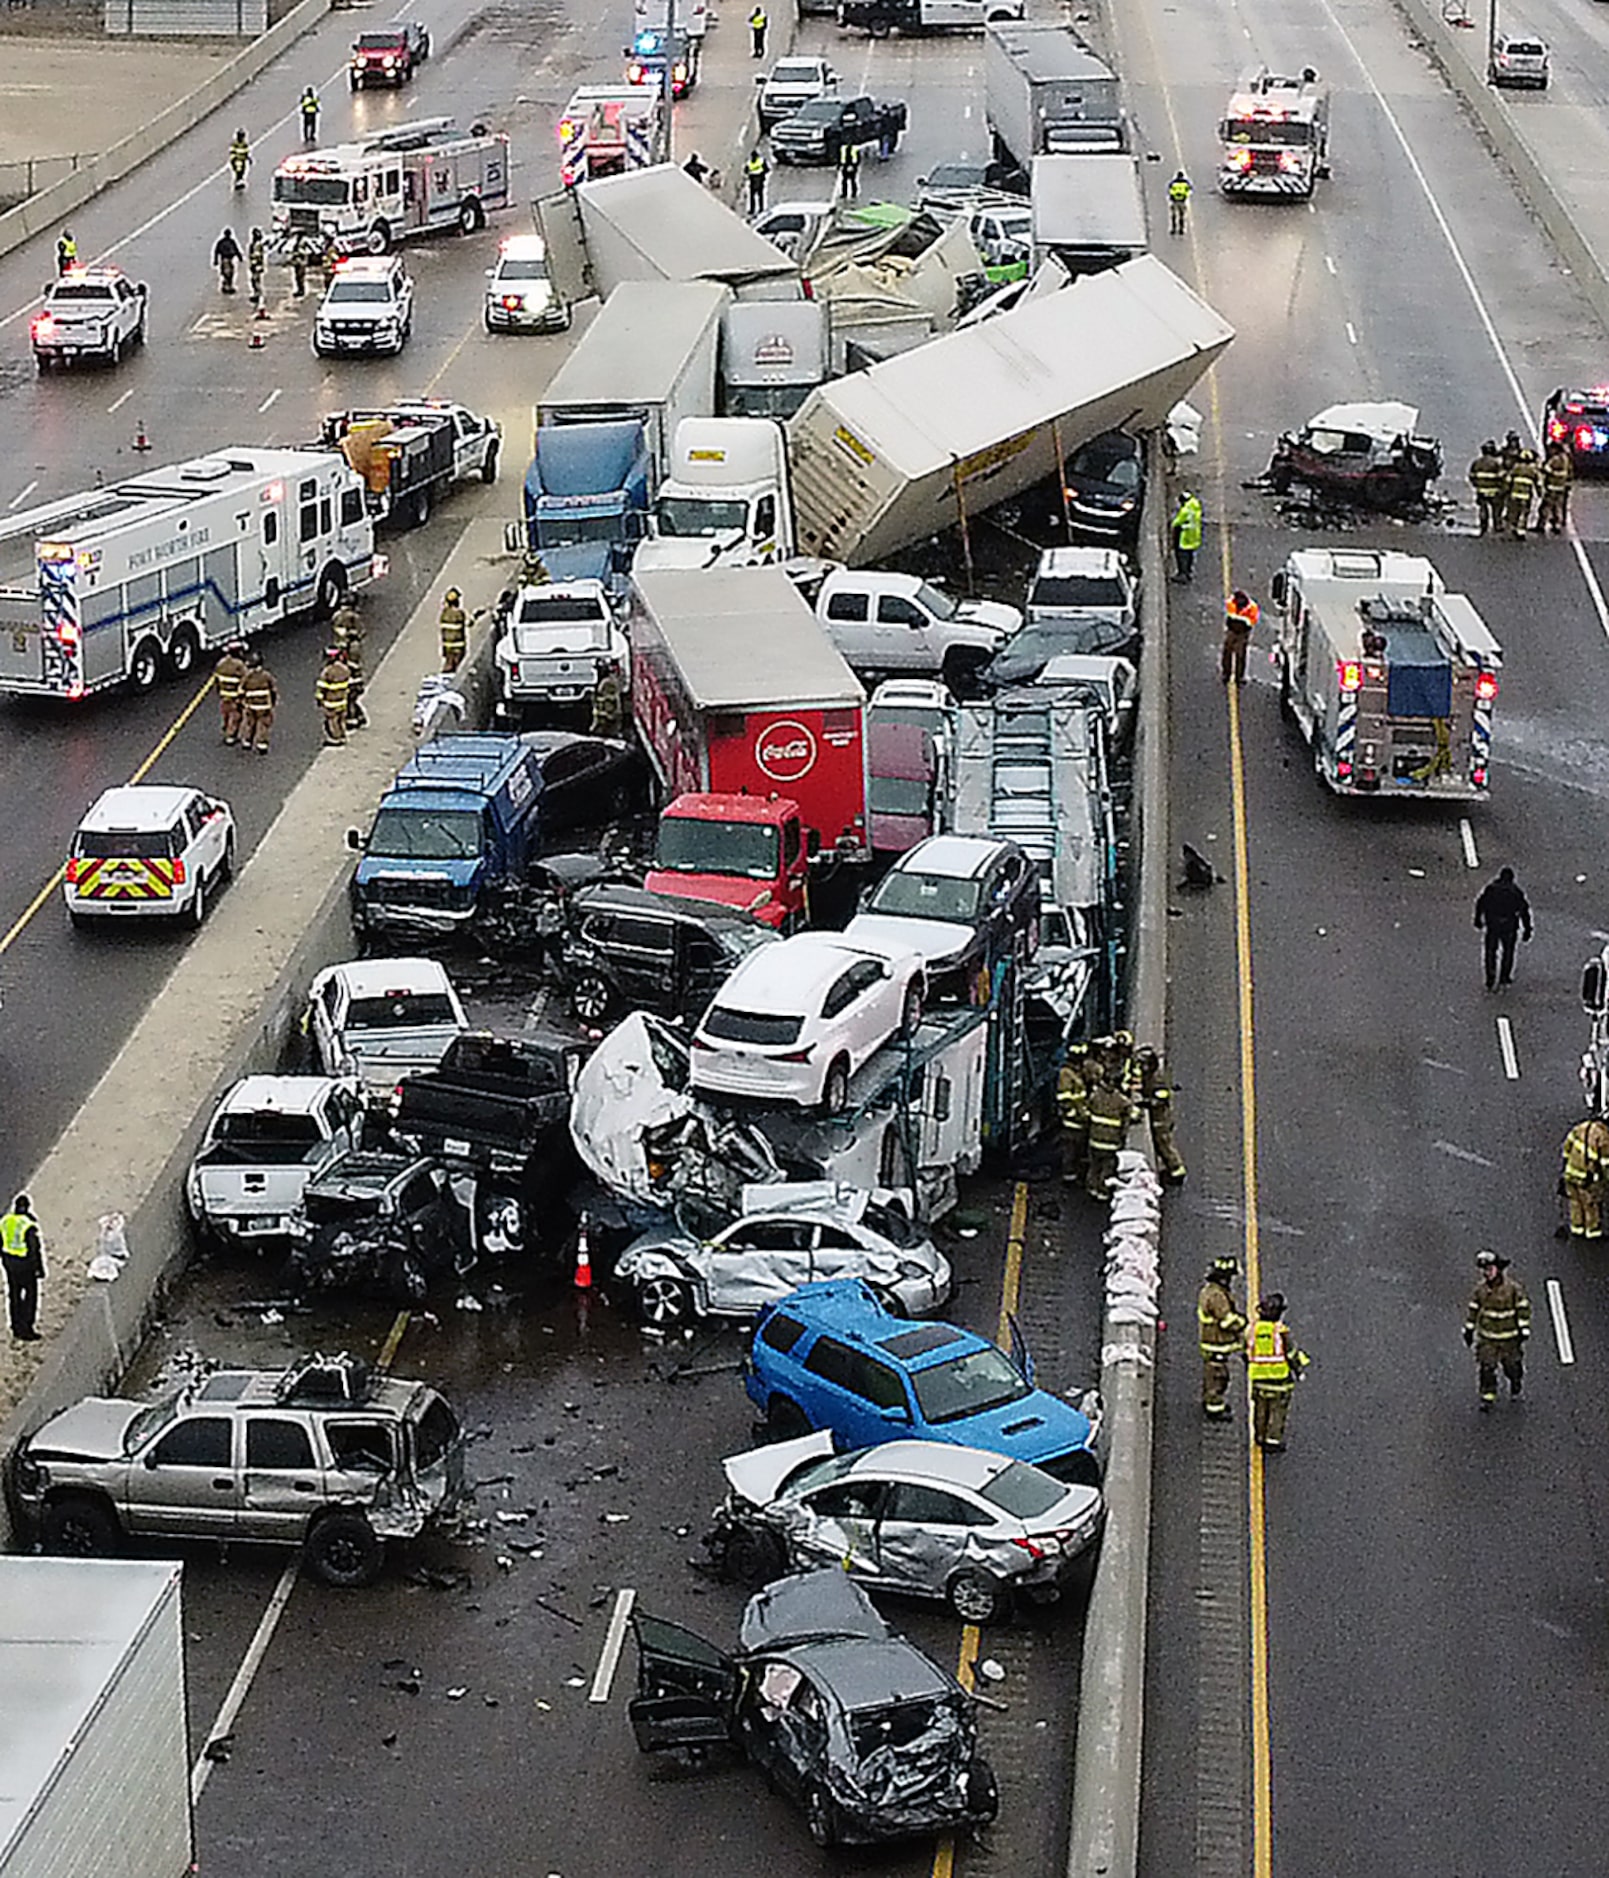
x: 796, y: 1020
x: 787, y: 1236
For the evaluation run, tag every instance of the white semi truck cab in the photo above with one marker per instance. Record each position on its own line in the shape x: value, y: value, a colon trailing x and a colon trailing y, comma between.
x: 726, y: 501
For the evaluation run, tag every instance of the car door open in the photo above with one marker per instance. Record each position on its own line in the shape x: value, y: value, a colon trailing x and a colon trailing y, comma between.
x: 686, y: 1689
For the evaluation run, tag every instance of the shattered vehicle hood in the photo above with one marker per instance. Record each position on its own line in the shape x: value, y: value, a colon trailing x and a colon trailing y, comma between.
x: 807, y: 1606
x: 1386, y: 420
x: 909, y: 1787
x: 621, y: 1095
x: 757, y: 1476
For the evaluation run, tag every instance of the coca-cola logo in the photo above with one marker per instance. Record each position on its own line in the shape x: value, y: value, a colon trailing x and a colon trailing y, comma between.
x: 785, y: 751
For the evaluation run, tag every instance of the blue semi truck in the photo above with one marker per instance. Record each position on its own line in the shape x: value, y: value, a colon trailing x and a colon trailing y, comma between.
x: 586, y: 498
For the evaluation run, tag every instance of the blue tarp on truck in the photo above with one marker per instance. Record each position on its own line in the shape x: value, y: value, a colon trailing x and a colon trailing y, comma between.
x: 586, y: 498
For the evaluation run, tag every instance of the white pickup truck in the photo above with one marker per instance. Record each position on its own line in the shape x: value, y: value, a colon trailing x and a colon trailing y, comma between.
x: 552, y: 650
x: 379, y: 1019
x: 267, y: 1138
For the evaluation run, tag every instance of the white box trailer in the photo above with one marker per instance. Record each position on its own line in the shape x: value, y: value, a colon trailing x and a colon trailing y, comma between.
x: 655, y: 224
x: 94, y: 1742
x: 936, y: 436
x: 650, y: 356
x: 1088, y: 211
x: 1046, y: 92
x: 111, y: 586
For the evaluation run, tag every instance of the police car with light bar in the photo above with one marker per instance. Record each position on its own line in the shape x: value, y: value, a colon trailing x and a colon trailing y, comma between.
x: 520, y: 295
x: 1580, y: 421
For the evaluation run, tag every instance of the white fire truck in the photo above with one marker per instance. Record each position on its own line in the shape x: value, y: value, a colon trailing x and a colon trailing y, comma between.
x: 410, y: 180
x: 114, y: 586
x: 1276, y: 136
x: 1391, y: 677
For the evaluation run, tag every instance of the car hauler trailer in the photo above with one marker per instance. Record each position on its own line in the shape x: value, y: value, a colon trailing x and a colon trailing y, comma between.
x: 1391, y: 678
x: 110, y: 587
x: 934, y: 437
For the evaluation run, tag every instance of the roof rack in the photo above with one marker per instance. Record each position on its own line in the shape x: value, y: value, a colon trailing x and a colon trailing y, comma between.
x: 327, y: 1381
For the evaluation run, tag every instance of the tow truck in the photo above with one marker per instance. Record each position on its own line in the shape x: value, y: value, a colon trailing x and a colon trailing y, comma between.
x: 1276, y: 135
x: 413, y: 451
x: 1391, y: 678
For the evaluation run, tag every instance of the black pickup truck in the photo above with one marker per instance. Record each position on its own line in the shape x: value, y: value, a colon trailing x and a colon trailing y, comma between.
x: 494, y: 1101
x: 820, y: 131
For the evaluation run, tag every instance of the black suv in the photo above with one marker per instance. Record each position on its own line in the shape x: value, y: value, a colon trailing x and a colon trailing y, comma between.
x: 378, y: 1222
x: 626, y: 948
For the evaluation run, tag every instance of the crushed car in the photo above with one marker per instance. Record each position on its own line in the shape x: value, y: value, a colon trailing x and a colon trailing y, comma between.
x: 383, y: 1224
x: 868, y: 1735
x: 921, y: 1518
x: 328, y: 1455
x: 784, y: 1236
x: 1366, y: 455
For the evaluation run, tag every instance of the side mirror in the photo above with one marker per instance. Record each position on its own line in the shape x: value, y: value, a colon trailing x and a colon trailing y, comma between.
x: 1595, y: 986
x: 354, y: 840
x: 896, y: 1414
x: 491, y: 273
x: 1279, y: 588
x: 759, y: 78
x: 513, y: 537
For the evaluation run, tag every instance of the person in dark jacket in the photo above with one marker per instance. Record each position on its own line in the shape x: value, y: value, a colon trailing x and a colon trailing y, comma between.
x: 1502, y: 912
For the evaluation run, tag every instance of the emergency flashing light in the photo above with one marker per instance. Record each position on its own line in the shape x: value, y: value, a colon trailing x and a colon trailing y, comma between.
x: 1486, y: 687
x: 568, y: 129
x: 1240, y: 159
x: 1478, y: 778
x: 1289, y: 160
x: 635, y: 72
x: 44, y: 327
x: 1343, y: 769
x: 1586, y: 438
x: 275, y: 492
x: 646, y: 44
x: 1556, y: 429
x: 67, y: 635
x: 1351, y: 675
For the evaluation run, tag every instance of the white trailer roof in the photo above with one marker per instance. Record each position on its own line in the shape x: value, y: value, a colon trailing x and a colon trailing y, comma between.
x: 936, y: 406
x: 744, y: 638
x: 680, y: 228
x: 1088, y: 201
x: 1048, y: 49
x: 652, y: 327
x: 65, y: 1626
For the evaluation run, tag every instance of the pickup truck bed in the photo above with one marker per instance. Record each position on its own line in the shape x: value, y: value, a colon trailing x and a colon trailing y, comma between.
x: 492, y: 1100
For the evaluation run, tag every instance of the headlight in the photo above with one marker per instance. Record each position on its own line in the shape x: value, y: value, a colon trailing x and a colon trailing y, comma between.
x: 31, y: 1476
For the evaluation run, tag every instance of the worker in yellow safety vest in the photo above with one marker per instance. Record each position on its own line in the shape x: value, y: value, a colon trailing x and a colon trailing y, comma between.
x: 1273, y: 1364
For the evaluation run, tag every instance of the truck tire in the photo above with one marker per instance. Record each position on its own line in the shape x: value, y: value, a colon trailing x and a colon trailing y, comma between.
x: 488, y: 469
x: 330, y: 592
x: 471, y: 216
x: 195, y: 914
x: 421, y: 506
x: 344, y: 1550
x: 184, y: 649
x: 80, y: 1526
x: 784, y: 1419
x: 379, y: 238
x: 145, y: 667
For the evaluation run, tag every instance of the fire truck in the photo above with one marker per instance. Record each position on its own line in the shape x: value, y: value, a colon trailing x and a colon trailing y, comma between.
x: 1276, y: 136
x: 608, y: 129
x: 410, y: 180
x: 1391, y: 678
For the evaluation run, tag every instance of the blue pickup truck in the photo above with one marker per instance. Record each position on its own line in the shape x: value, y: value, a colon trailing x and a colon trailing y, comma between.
x: 461, y: 814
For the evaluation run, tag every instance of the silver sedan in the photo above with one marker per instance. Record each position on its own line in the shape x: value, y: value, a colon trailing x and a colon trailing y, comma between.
x: 921, y: 1517
x: 788, y: 1236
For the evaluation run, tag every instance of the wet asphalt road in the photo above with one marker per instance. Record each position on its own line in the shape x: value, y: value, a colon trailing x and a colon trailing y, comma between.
x: 1435, y: 1581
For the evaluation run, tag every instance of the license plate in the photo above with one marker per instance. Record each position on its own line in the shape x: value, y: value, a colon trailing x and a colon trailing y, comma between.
x: 265, y: 1223
x: 452, y: 1146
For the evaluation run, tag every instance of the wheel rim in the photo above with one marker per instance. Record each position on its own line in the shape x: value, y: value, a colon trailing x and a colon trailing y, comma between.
x: 972, y: 1600
x: 143, y: 671
x: 344, y: 1554
x: 591, y: 998
x: 183, y: 654
x: 836, y: 1093
x: 662, y: 1300
x: 80, y: 1536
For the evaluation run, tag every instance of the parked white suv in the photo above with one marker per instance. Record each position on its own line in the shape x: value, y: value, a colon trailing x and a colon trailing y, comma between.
x: 149, y: 849
x: 89, y: 313
x: 368, y: 307
x: 1518, y: 61
x: 898, y: 623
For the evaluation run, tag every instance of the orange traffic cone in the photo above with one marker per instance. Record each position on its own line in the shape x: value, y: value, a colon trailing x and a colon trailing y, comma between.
x: 141, y: 441
x: 257, y: 341
x: 583, y: 1261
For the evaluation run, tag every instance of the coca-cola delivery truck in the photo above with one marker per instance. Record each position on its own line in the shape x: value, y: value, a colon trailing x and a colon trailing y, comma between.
x: 738, y: 692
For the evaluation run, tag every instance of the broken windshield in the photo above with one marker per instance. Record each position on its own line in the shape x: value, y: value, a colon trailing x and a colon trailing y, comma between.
x: 690, y: 846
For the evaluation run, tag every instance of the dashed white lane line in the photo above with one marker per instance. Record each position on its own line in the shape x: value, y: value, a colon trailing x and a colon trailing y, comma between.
x: 1505, y: 1043
x: 1329, y: 262
x: 1561, y: 1323
x: 250, y: 1663
x: 1466, y: 834
x: 1351, y: 333
x: 23, y: 494
x: 614, y: 1642
x: 118, y: 403
x: 270, y: 401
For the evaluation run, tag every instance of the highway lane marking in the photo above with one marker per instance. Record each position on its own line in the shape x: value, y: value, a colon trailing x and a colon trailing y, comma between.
x: 271, y: 400
x: 1351, y: 333
x: 1329, y: 262
x: 614, y: 1642
x: 1505, y: 365
x: 250, y: 1663
x: 117, y: 403
x: 1466, y: 834
x: 268, y: 1623
x: 23, y: 494
x: 965, y: 1674
x: 1561, y: 1323
x: 1505, y: 1043
x: 20, y: 924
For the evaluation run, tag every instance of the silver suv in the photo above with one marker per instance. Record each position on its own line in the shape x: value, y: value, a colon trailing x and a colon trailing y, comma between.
x: 325, y: 1455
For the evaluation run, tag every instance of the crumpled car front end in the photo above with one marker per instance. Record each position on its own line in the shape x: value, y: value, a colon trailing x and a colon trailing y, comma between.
x: 907, y: 1770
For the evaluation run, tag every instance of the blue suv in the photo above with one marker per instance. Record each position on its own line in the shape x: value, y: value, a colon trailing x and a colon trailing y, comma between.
x: 832, y: 1356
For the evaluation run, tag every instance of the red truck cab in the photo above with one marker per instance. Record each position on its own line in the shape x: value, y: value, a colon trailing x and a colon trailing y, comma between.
x: 748, y: 852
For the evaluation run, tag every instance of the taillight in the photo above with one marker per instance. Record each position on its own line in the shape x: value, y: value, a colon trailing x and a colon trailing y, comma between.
x: 178, y: 873
x: 72, y: 870
x: 700, y: 1044
x: 1289, y: 160
x: 67, y: 634
x: 795, y: 1056
x: 1351, y: 675
x: 1343, y: 769
x: 1486, y: 687
x: 514, y: 672
x: 1586, y: 437
x: 1028, y: 1545
x: 1478, y: 778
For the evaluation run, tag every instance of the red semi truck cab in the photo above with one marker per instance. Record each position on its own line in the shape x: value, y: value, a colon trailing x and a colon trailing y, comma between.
x: 747, y: 709
x: 749, y: 852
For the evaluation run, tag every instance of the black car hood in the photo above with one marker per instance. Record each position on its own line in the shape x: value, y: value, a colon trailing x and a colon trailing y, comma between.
x: 807, y: 1607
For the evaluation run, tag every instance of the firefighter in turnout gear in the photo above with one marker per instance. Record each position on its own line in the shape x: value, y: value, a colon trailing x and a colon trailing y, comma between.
x: 1273, y: 1364
x: 256, y: 263
x: 1586, y: 1163
x: 1072, y: 1110
x: 259, y: 698
x: 454, y: 631
x: 1523, y: 483
x: 1558, y: 475
x: 1496, y: 1326
x: 1221, y: 1328
x: 230, y: 675
x: 1156, y: 1098
x: 1110, y: 1115
x: 1489, y: 480
x: 333, y: 692
x: 608, y: 702
x: 346, y: 629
